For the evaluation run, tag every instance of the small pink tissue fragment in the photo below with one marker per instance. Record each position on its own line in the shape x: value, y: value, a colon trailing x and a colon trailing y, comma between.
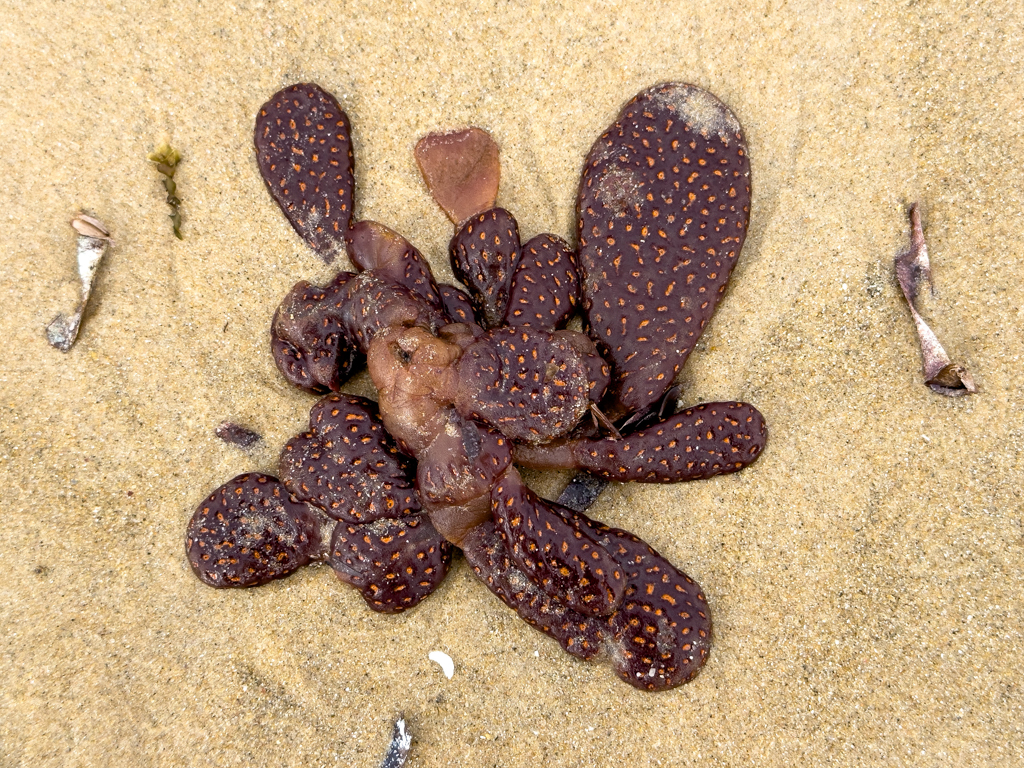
x: 462, y: 171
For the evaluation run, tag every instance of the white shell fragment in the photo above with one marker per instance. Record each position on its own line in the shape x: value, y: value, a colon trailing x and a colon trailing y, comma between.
x: 93, y: 239
x: 443, y: 660
x: 90, y: 226
x: 398, y: 749
x: 913, y: 270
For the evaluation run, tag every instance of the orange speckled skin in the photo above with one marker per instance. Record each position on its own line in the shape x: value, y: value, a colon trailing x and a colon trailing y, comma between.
x: 394, y: 562
x: 348, y: 465
x: 304, y: 152
x: 663, y: 208
x: 467, y: 385
x: 545, y: 286
x: 657, y: 637
x: 694, y: 444
x: 484, y: 252
x: 250, y: 531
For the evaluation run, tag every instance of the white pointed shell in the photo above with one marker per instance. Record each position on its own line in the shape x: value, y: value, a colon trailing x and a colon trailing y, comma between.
x: 90, y: 227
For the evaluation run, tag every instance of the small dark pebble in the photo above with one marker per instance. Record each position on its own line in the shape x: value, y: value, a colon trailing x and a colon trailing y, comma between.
x: 236, y: 434
x: 582, y: 491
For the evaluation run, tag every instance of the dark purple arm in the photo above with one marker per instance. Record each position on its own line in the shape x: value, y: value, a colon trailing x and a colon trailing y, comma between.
x: 545, y: 286
x: 484, y: 252
x: 305, y: 156
x: 658, y: 637
x: 699, y: 442
x: 663, y: 207
x: 250, y: 531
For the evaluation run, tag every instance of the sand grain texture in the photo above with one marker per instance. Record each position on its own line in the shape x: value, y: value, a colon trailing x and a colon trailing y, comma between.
x: 864, y: 575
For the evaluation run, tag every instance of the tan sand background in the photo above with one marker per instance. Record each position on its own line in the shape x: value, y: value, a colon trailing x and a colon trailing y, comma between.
x: 864, y: 575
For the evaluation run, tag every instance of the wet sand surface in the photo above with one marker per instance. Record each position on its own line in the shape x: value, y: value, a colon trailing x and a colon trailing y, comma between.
x: 864, y: 575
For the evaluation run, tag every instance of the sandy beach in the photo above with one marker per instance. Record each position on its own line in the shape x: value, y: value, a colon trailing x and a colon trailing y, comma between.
x: 864, y: 575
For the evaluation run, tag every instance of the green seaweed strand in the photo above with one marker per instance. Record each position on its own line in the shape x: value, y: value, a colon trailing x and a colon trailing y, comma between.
x: 167, y: 159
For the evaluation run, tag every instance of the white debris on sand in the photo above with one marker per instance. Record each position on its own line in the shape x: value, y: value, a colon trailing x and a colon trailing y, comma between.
x: 444, y: 661
x: 93, y: 239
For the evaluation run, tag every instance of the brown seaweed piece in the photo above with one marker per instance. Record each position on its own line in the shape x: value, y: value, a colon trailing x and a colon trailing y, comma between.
x: 461, y: 170
x: 371, y: 304
x: 913, y: 270
x: 305, y: 156
x: 456, y: 474
x: 348, y: 466
x: 460, y: 399
x: 320, y: 335
x: 663, y: 207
